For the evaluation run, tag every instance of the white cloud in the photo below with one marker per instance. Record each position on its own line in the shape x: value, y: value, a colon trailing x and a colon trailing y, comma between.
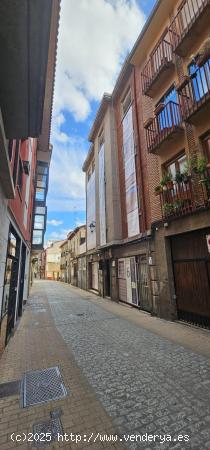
x: 67, y: 181
x: 54, y: 222
x: 94, y: 38
x: 58, y: 235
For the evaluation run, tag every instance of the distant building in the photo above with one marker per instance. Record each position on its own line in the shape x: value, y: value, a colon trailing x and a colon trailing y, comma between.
x: 73, y: 258
x: 53, y: 261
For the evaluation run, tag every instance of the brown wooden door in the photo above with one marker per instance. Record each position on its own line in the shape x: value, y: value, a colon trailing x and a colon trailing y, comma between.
x: 191, y: 263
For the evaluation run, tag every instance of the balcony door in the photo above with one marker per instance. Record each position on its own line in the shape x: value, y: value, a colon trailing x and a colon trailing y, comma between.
x: 169, y: 114
x: 200, y: 79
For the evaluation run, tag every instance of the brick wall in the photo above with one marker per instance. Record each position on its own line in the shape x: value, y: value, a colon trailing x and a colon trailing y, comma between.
x: 151, y: 170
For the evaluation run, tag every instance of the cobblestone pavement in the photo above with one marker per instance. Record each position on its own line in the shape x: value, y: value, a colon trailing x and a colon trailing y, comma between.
x: 146, y: 383
x: 38, y: 345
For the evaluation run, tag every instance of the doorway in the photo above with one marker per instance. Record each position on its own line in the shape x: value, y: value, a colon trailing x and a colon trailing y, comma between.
x: 11, y: 281
x: 107, y: 280
x: 21, y: 282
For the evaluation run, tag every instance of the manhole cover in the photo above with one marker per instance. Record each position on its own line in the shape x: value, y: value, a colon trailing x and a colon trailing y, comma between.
x: 46, y: 432
x: 42, y: 386
x: 11, y: 388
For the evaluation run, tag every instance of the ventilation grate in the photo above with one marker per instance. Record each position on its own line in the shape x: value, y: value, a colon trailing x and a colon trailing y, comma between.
x: 46, y: 432
x: 42, y: 386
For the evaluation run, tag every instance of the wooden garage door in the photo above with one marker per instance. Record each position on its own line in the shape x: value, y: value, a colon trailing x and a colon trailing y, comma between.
x: 191, y: 263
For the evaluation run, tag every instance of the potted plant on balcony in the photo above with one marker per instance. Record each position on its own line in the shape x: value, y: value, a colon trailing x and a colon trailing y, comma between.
x: 167, y: 181
x: 202, y: 165
x: 168, y: 209
x: 189, y: 167
x: 158, y: 189
x: 179, y: 177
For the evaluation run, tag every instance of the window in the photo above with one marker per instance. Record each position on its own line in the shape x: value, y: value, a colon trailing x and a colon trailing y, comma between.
x: 126, y: 102
x: 40, y: 194
x: 39, y: 222
x: 20, y: 175
x: 41, y: 181
x: 10, y: 148
x: 177, y: 165
x: 40, y: 210
x: 15, y: 166
x: 170, y: 114
x: 206, y: 146
x: 200, y: 79
x: 37, y: 237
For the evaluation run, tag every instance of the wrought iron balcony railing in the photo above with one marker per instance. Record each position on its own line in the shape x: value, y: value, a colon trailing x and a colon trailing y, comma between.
x: 192, y: 15
x: 194, y: 92
x: 156, y: 67
x: 180, y: 199
x: 163, y: 125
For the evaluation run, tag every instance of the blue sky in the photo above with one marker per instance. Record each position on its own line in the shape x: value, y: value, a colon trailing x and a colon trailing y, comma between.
x: 88, y: 62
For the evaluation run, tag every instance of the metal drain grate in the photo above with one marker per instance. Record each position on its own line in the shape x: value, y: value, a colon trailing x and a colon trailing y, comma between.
x: 42, y: 386
x: 46, y: 432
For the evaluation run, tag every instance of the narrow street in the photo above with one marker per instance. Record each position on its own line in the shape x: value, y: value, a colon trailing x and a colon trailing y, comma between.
x: 121, y: 373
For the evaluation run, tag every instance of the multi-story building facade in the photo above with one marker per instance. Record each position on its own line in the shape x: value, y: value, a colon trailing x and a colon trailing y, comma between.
x: 172, y: 62
x: 119, y: 241
x: 53, y: 261
x: 78, y: 257
x: 73, y: 258
x: 24, y: 84
x: 134, y: 255
x: 64, y: 261
x: 102, y: 201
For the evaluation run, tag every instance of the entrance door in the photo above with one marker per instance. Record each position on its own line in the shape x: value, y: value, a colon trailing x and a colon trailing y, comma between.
x: 122, y: 280
x: 11, y: 280
x: 143, y: 287
x: 191, y: 263
x: 127, y: 280
x: 107, y: 280
x: 95, y: 276
x: 22, y: 277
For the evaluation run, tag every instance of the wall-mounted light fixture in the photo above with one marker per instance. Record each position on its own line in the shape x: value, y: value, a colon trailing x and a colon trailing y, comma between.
x: 92, y: 226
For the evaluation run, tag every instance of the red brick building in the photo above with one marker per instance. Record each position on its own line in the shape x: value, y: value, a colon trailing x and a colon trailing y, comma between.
x: 26, y: 91
x: 171, y: 56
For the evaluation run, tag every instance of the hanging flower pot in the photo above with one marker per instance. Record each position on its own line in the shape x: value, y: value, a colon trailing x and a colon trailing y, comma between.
x: 158, y: 190
x: 170, y: 185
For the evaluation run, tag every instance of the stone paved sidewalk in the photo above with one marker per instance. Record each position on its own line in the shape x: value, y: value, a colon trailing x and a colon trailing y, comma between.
x: 147, y: 383
x: 38, y: 345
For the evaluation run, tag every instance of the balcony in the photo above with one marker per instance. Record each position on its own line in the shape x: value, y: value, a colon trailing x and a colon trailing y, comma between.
x: 192, y: 18
x: 166, y: 124
x: 194, y: 94
x: 157, y: 69
x: 179, y: 199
